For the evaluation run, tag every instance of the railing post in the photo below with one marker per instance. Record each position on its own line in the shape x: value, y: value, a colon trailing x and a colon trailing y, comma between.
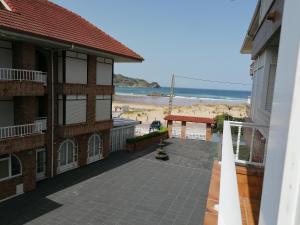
x: 238, y: 142
x: 252, y: 144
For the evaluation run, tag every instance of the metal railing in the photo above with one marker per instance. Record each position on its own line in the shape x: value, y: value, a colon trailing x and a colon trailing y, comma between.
x: 37, y: 127
x: 229, y: 202
x: 246, y: 138
x: 23, y: 75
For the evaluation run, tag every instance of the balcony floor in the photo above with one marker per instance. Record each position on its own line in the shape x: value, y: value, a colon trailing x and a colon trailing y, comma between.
x: 250, y: 188
x: 126, y: 188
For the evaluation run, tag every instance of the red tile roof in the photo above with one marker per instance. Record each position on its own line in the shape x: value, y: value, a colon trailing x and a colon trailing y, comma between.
x: 190, y: 119
x: 48, y: 20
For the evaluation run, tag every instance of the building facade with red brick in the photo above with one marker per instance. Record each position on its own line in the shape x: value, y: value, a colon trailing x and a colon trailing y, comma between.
x: 56, y: 88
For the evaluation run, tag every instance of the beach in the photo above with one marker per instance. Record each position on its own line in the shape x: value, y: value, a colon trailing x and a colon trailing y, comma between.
x: 149, y: 108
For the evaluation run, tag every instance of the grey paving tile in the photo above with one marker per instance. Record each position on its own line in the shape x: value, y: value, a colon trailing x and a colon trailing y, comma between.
x: 125, y: 189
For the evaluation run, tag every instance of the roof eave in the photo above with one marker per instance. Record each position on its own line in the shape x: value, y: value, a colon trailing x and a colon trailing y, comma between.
x: 57, y: 43
x: 247, y: 44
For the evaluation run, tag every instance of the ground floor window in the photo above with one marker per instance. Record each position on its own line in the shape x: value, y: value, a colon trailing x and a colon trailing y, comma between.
x: 95, y: 148
x: 10, y: 166
x: 67, y: 155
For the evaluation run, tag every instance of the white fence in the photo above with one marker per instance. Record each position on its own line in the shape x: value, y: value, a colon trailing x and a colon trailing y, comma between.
x: 229, y: 203
x: 119, y: 135
x: 22, y: 75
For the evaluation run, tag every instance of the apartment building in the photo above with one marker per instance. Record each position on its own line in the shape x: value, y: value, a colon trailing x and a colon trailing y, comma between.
x: 56, y: 87
x: 265, y: 191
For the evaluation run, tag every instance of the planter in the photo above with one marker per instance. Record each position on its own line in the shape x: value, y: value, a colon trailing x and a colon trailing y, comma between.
x: 146, y: 143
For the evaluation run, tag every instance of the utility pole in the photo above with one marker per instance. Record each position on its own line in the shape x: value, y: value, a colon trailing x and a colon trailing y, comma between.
x: 171, y: 94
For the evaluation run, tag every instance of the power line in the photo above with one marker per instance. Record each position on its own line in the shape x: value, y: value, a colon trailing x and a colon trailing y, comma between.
x: 214, y: 81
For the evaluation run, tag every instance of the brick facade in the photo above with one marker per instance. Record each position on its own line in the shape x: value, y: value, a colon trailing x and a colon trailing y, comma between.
x: 28, y: 178
x: 28, y: 105
x: 21, y: 88
x: 18, y: 144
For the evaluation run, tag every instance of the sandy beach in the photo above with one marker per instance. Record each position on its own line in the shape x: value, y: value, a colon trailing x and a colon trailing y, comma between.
x: 142, y: 109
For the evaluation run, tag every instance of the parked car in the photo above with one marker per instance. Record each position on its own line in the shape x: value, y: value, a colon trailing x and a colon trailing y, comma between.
x: 155, y: 125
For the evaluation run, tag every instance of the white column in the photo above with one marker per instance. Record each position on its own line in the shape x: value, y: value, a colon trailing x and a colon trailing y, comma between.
x: 280, y: 199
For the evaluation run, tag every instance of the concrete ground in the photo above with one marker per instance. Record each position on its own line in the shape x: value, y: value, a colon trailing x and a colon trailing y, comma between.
x: 126, y: 188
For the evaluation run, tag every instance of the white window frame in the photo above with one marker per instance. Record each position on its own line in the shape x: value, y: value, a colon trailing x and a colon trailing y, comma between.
x: 70, y: 166
x: 95, y: 157
x: 10, y: 176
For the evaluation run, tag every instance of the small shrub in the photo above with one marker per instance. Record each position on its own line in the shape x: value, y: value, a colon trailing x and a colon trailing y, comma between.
x: 219, y: 121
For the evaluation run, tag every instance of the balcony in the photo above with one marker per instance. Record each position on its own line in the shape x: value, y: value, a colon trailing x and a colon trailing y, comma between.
x: 18, y: 82
x: 236, y: 182
x: 23, y: 137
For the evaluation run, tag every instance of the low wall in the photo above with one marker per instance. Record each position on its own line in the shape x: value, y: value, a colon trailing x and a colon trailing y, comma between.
x: 146, y: 143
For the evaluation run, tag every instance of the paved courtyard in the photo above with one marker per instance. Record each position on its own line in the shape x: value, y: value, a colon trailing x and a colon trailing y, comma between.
x: 126, y: 188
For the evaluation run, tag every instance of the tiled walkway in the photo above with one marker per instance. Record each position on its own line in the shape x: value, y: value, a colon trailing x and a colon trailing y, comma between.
x: 126, y: 188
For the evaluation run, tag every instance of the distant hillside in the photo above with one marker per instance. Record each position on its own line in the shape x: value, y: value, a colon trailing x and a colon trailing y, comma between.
x: 123, y: 81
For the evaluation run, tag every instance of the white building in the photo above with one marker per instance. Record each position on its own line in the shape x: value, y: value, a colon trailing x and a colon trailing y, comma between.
x: 273, y: 40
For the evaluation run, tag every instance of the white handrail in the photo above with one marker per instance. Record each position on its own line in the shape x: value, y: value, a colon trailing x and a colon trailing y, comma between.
x: 21, y: 130
x: 254, y: 127
x: 23, y: 75
x: 229, y: 203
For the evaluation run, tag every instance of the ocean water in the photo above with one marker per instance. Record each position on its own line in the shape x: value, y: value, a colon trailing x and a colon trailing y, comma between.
x: 205, y: 95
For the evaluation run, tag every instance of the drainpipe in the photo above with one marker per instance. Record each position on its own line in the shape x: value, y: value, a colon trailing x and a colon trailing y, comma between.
x: 52, y: 115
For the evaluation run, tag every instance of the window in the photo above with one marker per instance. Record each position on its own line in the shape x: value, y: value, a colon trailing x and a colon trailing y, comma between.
x: 270, y: 87
x: 104, y: 71
x: 67, y: 156
x: 95, y: 146
x: 10, y: 166
x: 103, y: 107
x: 72, y: 67
x: 72, y: 109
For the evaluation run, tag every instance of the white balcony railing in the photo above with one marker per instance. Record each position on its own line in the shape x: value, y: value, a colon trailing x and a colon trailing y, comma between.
x: 232, y: 147
x: 43, y: 122
x: 23, y: 75
x: 229, y: 203
x: 37, y: 127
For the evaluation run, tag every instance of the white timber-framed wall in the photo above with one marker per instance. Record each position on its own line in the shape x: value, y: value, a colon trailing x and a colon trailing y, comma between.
x: 281, y: 191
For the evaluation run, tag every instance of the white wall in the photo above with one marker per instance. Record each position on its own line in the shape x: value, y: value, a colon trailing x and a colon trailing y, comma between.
x: 76, y: 68
x: 263, y: 86
x: 280, y: 203
x: 104, y: 71
x: 5, y: 54
x: 103, y: 107
x: 6, y: 111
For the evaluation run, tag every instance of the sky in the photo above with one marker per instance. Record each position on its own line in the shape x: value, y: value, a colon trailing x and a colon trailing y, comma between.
x: 195, y: 38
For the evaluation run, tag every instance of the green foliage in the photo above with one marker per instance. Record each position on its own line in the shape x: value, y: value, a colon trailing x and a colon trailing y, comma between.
x: 133, y: 140
x: 219, y: 121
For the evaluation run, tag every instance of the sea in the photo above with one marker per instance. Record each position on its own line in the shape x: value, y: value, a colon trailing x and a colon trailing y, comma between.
x: 183, y: 96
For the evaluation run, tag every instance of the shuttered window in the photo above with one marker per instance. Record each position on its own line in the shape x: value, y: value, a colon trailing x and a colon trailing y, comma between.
x: 72, y: 109
x: 104, y: 71
x: 270, y: 88
x: 103, y: 107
